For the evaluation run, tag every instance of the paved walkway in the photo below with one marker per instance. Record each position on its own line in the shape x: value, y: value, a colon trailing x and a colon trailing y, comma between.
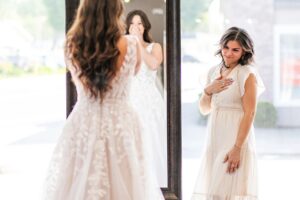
x: 32, y: 113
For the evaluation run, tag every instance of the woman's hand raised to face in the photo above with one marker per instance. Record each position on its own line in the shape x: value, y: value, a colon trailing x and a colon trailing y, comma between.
x: 218, y: 85
x: 134, y: 30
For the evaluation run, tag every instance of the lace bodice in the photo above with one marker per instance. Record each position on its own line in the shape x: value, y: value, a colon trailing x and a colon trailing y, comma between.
x: 145, y: 74
x: 120, y: 86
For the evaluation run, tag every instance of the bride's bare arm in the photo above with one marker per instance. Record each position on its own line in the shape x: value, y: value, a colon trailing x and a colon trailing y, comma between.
x: 153, y: 59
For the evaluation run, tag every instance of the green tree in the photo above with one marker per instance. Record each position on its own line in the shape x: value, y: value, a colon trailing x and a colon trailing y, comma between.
x: 191, y: 12
x: 56, y: 18
x: 56, y: 14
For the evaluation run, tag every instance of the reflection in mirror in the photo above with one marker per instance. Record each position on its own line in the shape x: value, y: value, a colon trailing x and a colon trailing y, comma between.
x: 148, y: 91
x: 275, y: 34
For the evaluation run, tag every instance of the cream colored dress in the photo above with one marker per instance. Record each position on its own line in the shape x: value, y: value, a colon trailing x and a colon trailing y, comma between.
x: 213, y: 182
x: 100, y: 154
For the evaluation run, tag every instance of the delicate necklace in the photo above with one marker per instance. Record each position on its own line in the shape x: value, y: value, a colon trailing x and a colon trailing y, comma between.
x: 224, y: 68
x: 227, y: 67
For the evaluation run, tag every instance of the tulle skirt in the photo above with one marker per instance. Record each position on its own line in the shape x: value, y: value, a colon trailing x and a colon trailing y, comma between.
x: 100, y: 156
x: 150, y: 106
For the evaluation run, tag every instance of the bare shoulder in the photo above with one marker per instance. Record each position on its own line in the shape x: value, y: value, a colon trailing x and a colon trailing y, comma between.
x: 156, y: 47
x: 122, y: 44
x: 123, y: 40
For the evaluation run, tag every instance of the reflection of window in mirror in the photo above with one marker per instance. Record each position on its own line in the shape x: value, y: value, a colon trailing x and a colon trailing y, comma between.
x: 145, y: 21
x: 274, y: 29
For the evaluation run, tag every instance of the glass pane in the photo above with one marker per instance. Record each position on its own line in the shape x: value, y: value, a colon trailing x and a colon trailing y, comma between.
x: 289, y: 67
x: 32, y: 85
x: 275, y: 31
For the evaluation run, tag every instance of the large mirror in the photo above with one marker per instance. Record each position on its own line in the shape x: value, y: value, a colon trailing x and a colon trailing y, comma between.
x: 146, y: 20
x: 155, y: 91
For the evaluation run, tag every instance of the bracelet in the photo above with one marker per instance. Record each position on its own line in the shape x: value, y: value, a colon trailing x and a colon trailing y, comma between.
x: 205, y: 92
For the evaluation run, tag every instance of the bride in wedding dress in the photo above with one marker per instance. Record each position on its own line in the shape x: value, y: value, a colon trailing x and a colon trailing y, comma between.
x: 146, y: 96
x: 100, y: 154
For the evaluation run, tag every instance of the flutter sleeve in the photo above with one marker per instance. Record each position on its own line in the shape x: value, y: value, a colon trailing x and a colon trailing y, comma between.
x: 244, y: 73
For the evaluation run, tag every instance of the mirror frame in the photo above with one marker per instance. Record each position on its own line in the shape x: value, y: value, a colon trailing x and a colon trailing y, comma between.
x: 173, y: 47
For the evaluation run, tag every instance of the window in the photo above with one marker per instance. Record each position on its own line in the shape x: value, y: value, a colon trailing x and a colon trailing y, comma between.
x: 287, y: 65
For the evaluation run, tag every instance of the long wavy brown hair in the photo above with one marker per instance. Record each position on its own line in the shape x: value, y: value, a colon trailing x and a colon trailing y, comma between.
x: 91, y: 43
x: 146, y: 23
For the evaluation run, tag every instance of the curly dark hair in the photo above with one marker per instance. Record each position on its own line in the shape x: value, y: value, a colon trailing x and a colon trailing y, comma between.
x: 91, y: 43
x: 243, y: 38
x: 146, y: 23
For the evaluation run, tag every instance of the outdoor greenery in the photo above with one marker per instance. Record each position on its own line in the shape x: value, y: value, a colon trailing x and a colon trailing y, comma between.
x: 266, y: 115
x: 192, y: 12
x: 43, y: 21
x: 39, y: 25
x: 7, y: 70
x: 31, y: 13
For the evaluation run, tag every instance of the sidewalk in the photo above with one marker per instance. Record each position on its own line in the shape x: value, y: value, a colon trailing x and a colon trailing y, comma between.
x: 32, y: 113
x: 22, y: 171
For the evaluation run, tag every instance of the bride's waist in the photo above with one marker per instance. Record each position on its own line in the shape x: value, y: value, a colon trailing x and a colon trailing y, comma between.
x: 104, y: 101
x: 227, y: 108
x: 145, y: 77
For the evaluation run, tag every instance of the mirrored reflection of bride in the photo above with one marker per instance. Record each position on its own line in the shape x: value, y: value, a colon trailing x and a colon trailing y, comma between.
x: 146, y: 97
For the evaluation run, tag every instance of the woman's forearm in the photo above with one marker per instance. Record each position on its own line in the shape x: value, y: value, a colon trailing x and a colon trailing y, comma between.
x: 150, y: 60
x: 154, y: 59
x: 249, y: 107
x: 205, y: 104
x: 244, y: 128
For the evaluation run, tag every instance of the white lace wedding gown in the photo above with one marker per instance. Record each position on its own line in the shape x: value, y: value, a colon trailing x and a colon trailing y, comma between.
x: 100, y: 154
x: 213, y: 182
x: 149, y: 103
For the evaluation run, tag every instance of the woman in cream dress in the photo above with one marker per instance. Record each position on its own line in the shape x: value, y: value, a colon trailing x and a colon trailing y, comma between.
x: 228, y: 170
